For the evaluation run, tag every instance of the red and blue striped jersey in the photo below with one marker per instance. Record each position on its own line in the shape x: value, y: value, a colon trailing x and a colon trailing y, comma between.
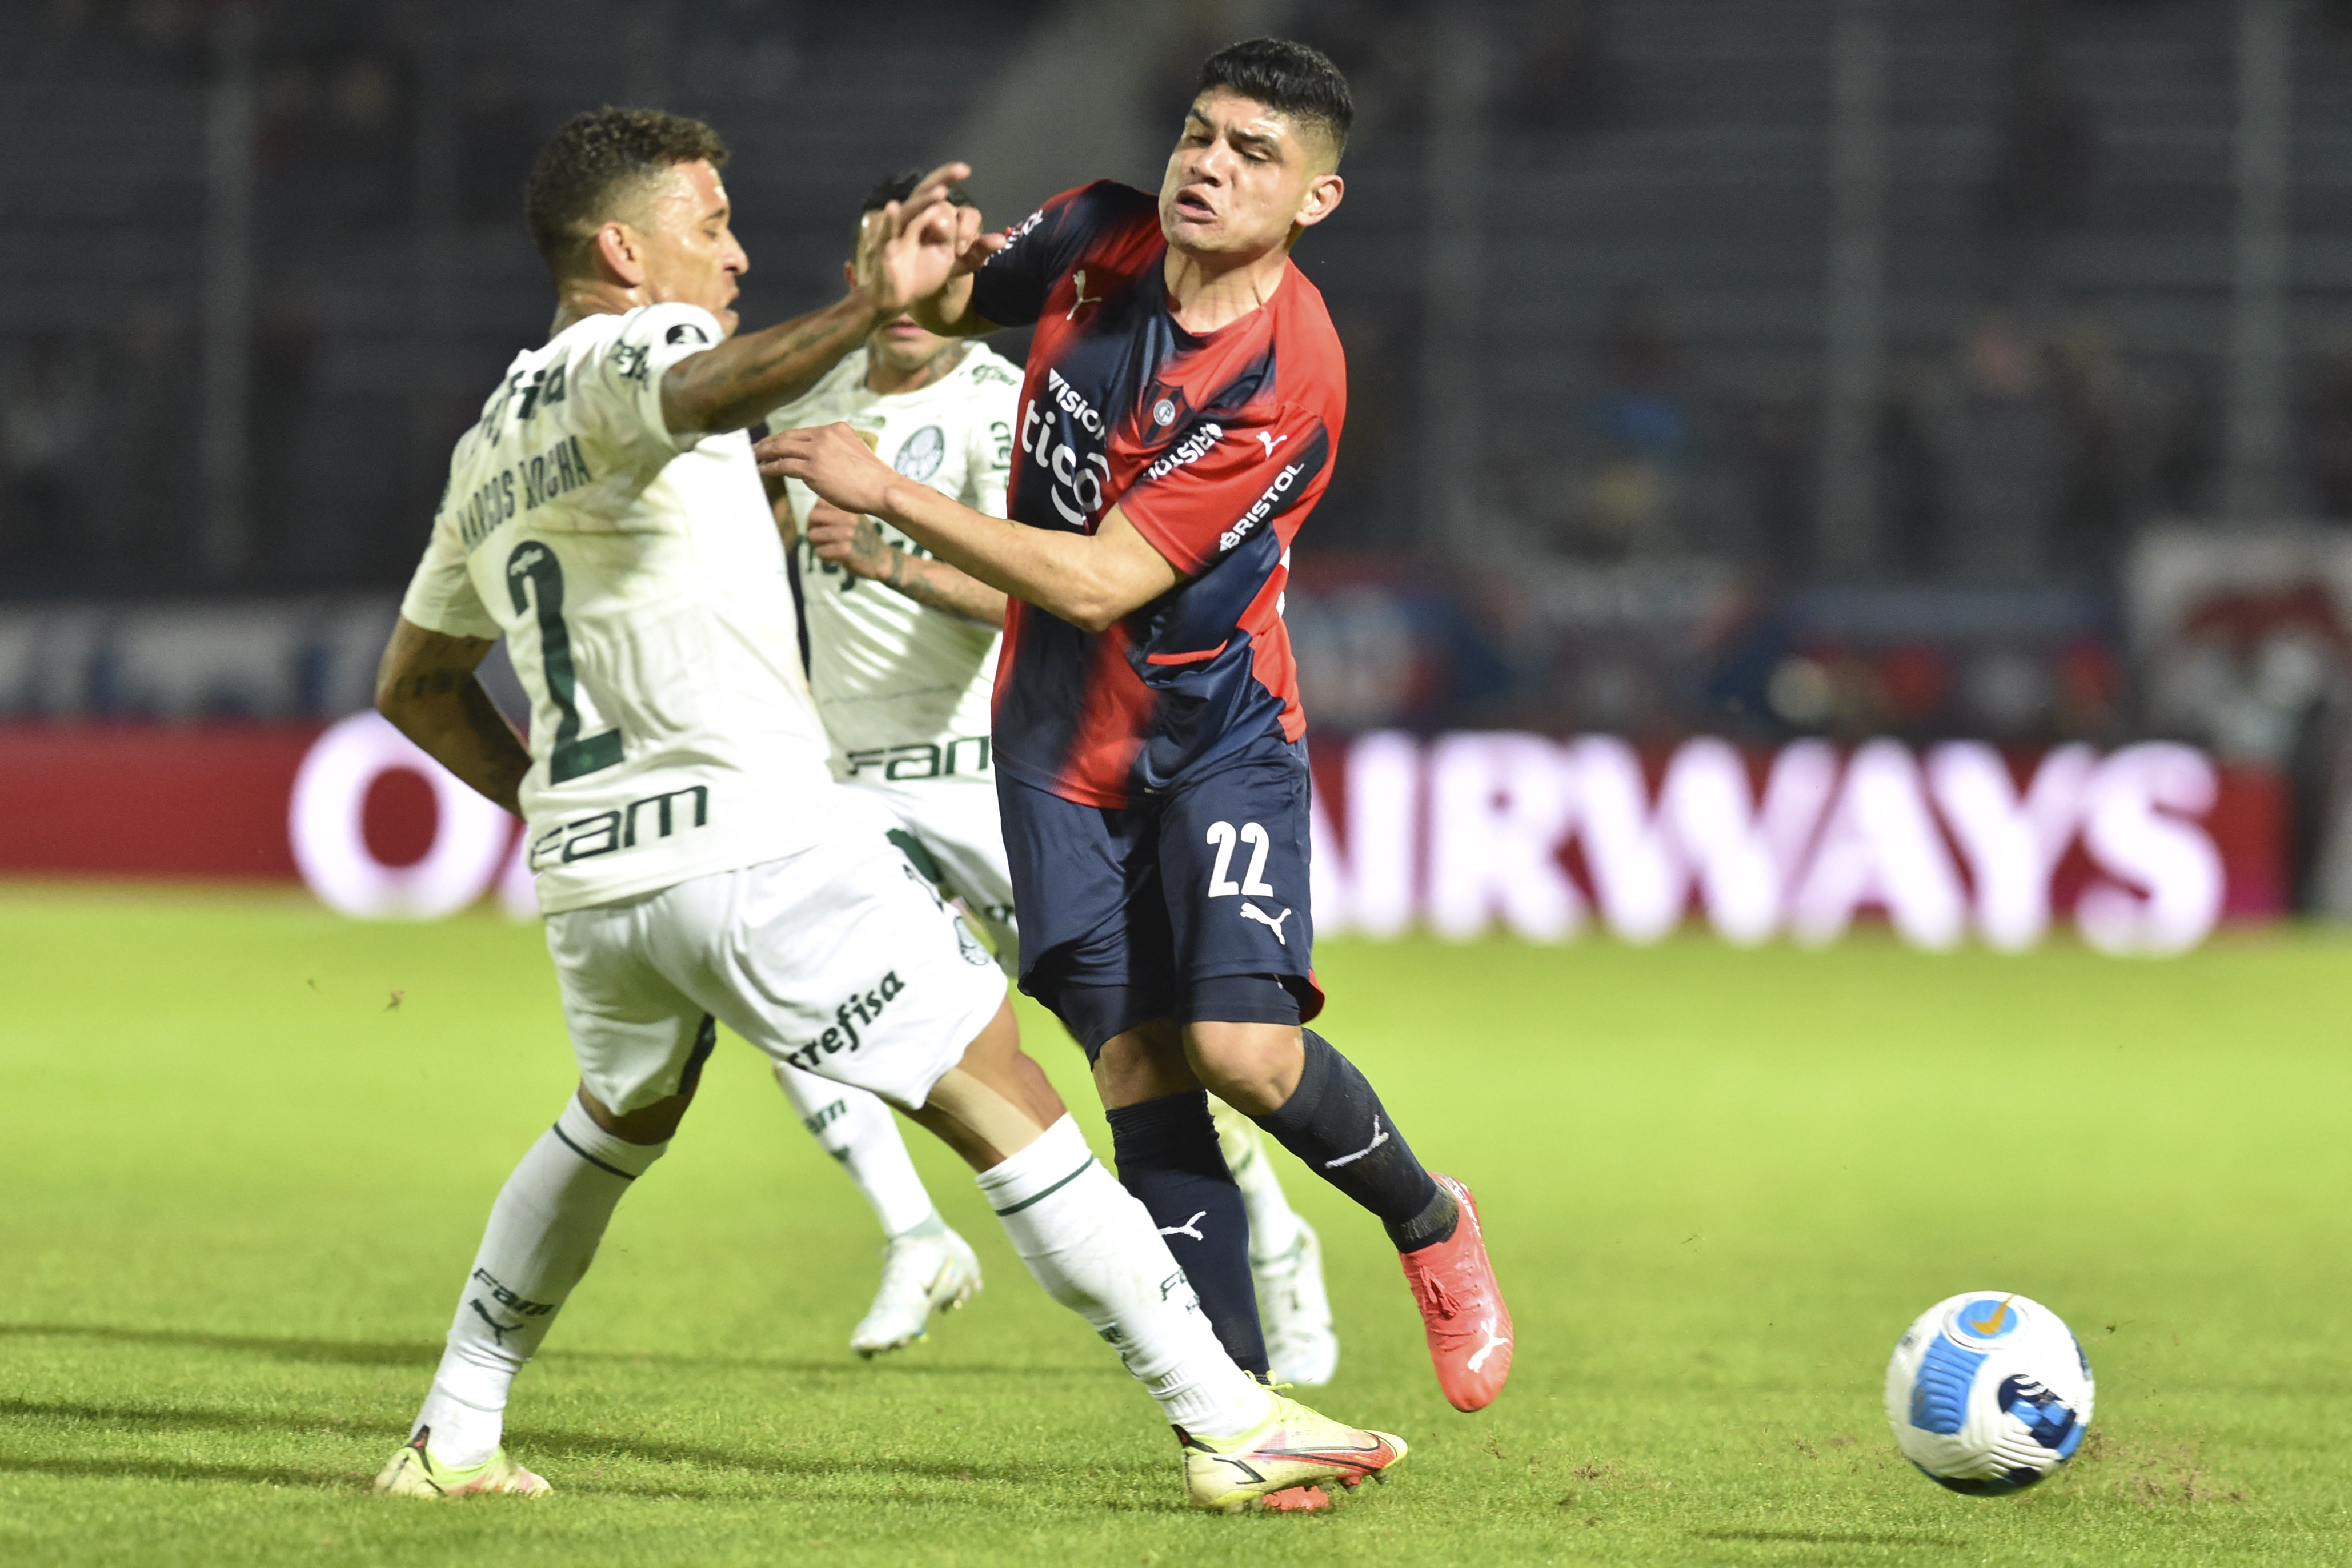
x: 1215, y: 445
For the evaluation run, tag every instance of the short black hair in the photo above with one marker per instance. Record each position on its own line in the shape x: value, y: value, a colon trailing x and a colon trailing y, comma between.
x: 591, y: 166
x: 1290, y: 79
x: 901, y: 185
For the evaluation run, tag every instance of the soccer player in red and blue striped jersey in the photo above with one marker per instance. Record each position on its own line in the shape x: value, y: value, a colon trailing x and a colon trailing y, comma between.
x: 1183, y: 404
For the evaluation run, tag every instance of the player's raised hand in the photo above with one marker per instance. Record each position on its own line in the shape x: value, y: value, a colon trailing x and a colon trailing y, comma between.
x: 831, y: 459
x: 910, y: 250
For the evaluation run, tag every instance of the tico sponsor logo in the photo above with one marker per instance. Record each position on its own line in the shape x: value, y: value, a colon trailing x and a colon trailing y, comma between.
x: 1079, y: 477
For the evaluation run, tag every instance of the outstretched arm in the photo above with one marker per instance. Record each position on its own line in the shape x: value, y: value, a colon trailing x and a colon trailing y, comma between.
x: 1091, y: 580
x: 737, y: 384
x: 905, y: 252
x: 426, y: 686
x: 855, y: 545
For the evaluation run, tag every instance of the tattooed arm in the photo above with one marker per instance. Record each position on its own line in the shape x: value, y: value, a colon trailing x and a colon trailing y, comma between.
x: 738, y: 383
x: 856, y: 544
x: 904, y: 252
x: 427, y: 687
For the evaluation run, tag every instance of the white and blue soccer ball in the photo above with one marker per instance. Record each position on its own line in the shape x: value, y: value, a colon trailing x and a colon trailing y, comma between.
x: 1988, y: 1393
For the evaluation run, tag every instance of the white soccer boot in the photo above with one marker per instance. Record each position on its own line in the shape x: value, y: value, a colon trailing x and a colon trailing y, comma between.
x: 920, y: 1275
x: 1300, y: 1344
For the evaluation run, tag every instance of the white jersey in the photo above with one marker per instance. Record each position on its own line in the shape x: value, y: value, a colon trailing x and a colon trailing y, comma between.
x: 640, y: 584
x: 904, y: 689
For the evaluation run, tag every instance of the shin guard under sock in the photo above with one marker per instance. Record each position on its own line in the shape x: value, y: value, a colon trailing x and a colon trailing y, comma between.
x: 1091, y: 1245
x: 542, y: 1234
x: 1168, y: 1158
x: 1336, y: 1124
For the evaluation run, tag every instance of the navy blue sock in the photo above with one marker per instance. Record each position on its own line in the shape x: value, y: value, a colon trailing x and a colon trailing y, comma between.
x: 1168, y: 1157
x: 1336, y: 1124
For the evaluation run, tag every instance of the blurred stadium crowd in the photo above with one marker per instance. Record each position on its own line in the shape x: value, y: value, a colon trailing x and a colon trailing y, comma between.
x: 269, y: 257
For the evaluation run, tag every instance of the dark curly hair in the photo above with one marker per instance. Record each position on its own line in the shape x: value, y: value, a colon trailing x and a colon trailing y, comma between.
x: 595, y: 164
x: 1290, y: 79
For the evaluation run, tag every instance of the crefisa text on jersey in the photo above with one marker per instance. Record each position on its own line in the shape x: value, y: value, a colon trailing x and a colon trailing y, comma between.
x: 867, y: 1009
x: 545, y: 475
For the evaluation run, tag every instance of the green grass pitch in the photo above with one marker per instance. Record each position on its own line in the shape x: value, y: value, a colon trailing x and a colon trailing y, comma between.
x: 249, y: 1147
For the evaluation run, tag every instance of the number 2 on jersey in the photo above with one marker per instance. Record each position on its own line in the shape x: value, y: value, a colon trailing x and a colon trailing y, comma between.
x: 534, y: 564
x: 1253, y: 882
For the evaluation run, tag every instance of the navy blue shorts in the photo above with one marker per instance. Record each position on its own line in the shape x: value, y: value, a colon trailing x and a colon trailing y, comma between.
x: 1190, y: 905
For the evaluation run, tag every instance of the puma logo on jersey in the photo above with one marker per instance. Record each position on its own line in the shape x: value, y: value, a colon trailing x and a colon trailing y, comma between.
x: 1078, y: 285
x: 1190, y: 1228
x: 1380, y: 1136
x: 1271, y: 441
x: 1271, y: 922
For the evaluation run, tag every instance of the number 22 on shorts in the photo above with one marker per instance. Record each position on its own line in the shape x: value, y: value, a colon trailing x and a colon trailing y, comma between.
x: 1253, y: 883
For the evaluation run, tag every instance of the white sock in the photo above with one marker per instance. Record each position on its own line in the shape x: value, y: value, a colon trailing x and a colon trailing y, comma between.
x: 1096, y: 1251
x: 857, y: 1129
x: 1274, y: 1225
x: 541, y: 1236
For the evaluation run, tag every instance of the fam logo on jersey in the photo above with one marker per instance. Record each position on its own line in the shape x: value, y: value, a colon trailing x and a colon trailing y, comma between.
x: 686, y: 332
x: 920, y: 455
x: 843, y: 1036
x: 624, y: 829
x: 1264, y: 508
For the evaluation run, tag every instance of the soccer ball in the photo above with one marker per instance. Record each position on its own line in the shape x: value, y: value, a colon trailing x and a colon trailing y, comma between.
x: 1988, y: 1393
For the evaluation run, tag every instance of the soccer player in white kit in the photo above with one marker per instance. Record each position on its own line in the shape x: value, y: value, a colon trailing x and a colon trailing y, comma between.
x: 902, y: 662
x: 693, y: 855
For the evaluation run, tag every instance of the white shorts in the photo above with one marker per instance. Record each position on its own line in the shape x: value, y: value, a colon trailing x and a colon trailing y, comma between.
x: 957, y: 826
x: 839, y: 960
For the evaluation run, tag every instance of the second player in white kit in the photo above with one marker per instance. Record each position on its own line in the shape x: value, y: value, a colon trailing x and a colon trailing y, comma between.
x: 902, y: 655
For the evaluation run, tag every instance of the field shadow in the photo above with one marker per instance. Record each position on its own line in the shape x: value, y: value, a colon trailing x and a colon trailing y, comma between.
x: 1823, y: 1537
x: 544, y: 1446
x: 427, y: 1354
x: 183, y: 1470
x: 340, y: 1352
x: 154, y: 1418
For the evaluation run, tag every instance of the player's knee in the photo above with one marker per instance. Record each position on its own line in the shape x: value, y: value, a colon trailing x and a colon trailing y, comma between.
x: 1251, y: 1067
x: 654, y: 1124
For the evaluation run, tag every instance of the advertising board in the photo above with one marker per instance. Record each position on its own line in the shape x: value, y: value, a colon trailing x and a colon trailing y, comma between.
x: 2145, y: 849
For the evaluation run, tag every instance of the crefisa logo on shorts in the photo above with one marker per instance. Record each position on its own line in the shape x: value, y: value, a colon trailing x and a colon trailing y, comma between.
x: 857, y: 1009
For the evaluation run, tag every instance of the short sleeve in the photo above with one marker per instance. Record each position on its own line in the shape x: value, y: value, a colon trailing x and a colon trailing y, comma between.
x: 626, y: 370
x: 1224, y: 481
x: 441, y: 595
x: 1011, y: 286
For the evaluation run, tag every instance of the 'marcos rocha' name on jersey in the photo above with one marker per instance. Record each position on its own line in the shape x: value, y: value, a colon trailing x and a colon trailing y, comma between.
x: 545, y: 475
